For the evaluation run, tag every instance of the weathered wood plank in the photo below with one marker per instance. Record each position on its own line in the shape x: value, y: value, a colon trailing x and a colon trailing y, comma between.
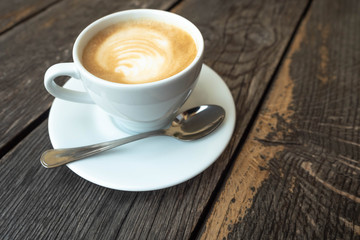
x: 298, y: 174
x: 244, y: 42
x: 56, y: 204
x: 13, y: 12
x: 232, y: 49
x: 28, y: 50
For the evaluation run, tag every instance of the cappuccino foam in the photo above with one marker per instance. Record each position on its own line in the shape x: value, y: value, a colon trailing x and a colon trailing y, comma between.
x: 139, y: 51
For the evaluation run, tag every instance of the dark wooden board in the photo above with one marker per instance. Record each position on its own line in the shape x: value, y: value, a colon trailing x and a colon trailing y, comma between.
x: 29, y: 49
x: 39, y: 203
x: 244, y: 43
x: 13, y: 12
x: 298, y: 173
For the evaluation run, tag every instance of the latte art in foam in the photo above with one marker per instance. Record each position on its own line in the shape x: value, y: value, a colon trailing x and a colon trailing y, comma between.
x: 137, y: 59
x: 139, y: 52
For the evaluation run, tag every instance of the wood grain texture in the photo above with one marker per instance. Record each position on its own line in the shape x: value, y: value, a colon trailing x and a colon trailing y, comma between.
x: 28, y: 50
x: 298, y: 174
x: 13, y: 12
x: 244, y: 42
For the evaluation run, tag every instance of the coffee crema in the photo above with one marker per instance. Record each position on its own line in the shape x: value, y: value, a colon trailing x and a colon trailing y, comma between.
x: 139, y: 51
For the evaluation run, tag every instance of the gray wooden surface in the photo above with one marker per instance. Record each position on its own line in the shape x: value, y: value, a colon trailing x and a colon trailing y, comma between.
x: 298, y: 173
x: 248, y: 43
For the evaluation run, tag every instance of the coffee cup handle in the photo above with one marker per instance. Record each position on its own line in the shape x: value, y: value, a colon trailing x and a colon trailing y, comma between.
x: 64, y: 69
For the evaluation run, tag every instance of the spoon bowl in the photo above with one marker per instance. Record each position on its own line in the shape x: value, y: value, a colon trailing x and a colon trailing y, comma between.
x: 189, y: 125
x: 196, y: 122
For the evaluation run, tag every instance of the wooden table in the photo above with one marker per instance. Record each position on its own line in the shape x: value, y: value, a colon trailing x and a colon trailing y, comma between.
x: 290, y: 171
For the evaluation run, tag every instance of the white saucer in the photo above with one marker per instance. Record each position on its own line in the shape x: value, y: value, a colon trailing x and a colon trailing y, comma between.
x: 148, y: 164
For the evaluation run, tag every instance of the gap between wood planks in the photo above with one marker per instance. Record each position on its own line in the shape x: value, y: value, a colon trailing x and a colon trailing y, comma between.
x: 28, y: 129
x: 207, y: 210
x: 39, y: 11
x: 34, y: 124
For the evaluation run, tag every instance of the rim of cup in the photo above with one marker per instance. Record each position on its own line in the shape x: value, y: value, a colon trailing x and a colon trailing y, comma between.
x: 111, y: 19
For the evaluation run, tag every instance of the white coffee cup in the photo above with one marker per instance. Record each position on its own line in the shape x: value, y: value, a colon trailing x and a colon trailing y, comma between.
x: 133, y: 107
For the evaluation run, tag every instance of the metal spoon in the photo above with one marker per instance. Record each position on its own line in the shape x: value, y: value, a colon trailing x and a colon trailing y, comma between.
x: 192, y: 124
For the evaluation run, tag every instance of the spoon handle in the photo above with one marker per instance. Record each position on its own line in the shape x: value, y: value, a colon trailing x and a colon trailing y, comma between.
x: 57, y: 157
